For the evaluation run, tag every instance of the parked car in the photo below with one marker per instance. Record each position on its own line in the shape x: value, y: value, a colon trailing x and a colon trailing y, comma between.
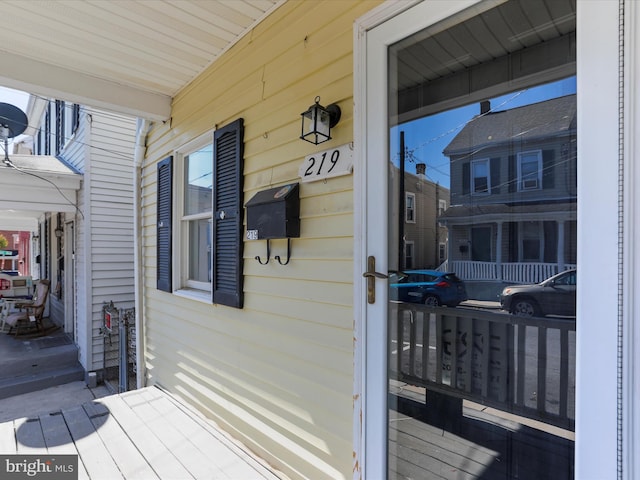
x: 554, y: 296
x: 429, y: 287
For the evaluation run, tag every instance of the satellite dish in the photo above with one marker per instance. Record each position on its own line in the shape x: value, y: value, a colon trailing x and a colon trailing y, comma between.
x: 13, y: 119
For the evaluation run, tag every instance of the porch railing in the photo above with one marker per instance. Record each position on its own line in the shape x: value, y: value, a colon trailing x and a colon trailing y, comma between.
x: 523, y: 272
x: 524, y: 366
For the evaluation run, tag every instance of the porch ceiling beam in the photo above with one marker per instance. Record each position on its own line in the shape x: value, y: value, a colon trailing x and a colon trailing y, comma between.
x: 19, y: 224
x: 37, y: 206
x: 52, y: 81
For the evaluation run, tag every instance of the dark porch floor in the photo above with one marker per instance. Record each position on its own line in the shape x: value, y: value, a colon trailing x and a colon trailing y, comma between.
x: 31, y: 363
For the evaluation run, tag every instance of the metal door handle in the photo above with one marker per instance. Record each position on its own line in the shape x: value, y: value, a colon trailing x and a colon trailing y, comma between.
x: 371, y: 276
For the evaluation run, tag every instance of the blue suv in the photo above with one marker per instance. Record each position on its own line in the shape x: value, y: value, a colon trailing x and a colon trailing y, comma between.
x: 429, y: 287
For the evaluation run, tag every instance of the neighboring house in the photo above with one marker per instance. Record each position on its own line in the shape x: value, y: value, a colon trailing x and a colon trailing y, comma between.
x: 87, y: 253
x: 292, y: 357
x: 514, y: 203
x: 423, y: 237
x: 16, y: 256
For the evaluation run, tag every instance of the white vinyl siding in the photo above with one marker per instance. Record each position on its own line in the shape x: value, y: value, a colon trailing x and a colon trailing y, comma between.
x: 111, y: 218
x: 102, y: 149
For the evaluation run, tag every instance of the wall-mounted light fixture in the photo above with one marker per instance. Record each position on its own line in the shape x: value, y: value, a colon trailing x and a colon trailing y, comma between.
x: 318, y: 121
x: 58, y: 231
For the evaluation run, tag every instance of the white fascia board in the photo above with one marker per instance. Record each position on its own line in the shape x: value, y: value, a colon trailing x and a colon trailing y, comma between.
x: 64, y: 84
x: 24, y: 224
x: 19, y: 181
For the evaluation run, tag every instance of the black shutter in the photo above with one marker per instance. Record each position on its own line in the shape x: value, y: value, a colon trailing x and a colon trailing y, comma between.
x: 466, y: 178
x: 165, y: 203
x: 513, y: 178
x: 495, y: 175
x: 228, y: 153
x: 548, y: 169
x: 47, y: 130
x: 60, y: 123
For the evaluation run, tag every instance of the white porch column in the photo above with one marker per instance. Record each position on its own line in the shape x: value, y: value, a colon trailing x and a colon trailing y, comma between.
x: 499, y: 251
x: 560, y: 245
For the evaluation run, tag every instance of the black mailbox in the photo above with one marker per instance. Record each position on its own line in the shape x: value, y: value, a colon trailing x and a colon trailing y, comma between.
x: 274, y: 213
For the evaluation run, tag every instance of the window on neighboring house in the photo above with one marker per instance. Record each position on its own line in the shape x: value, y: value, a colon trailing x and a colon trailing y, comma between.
x: 60, y: 123
x: 208, y: 237
x: 47, y: 130
x: 442, y: 207
x: 38, y: 143
x: 410, y: 208
x: 480, y: 176
x: 408, y: 254
x: 442, y: 252
x: 530, y: 170
x: 75, y: 118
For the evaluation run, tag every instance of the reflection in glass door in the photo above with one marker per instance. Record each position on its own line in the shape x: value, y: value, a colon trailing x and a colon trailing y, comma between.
x: 481, y: 231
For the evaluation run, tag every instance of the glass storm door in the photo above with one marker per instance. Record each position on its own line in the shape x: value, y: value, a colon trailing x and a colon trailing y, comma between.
x: 470, y: 387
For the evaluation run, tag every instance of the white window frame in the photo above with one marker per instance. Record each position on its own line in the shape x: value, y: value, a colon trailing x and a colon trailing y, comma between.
x: 410, y: 212
x: 409, y: 253
x: 473, y: 177
x: 523, y: 157
x: 442, y: 207
x: 181, y: 230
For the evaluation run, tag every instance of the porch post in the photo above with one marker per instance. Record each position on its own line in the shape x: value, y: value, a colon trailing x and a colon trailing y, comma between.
x: 560, y: 246
x: 499, y: 252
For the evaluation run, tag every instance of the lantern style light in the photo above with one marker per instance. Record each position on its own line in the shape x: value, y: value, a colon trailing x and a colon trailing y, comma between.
x: 318, y: 121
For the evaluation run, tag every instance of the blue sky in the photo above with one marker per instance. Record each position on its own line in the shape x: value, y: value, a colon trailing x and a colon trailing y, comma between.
x: 15, y: 98
x: 427, y: 137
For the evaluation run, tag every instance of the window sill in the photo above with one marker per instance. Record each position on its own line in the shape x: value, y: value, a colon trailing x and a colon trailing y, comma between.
x: 203, y: 296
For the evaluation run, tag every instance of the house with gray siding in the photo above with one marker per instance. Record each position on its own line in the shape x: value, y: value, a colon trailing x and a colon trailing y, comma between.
x: 513, y: 193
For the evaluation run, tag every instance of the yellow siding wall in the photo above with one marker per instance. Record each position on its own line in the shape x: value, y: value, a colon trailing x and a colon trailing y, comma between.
x: 277, y: 374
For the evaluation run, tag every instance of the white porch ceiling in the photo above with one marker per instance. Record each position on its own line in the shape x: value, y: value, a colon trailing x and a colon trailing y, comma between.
x: 130, y: 56
x: 37, y: 184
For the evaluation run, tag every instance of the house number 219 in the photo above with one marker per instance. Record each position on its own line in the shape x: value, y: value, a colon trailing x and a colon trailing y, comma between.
x: 329, y: 163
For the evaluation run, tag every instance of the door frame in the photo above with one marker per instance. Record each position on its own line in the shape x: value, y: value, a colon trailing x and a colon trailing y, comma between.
x: 599, y: 99
x: 69, y: 278
x: 370, y: 336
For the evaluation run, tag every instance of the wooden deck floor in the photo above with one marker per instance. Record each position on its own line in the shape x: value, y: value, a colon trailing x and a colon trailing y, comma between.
x: 142, y: 434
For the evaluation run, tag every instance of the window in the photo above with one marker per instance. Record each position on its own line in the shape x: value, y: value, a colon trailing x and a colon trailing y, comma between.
x: 480, y: 176
x: 60, y: 124
x: 210, y: 212
x: 197, y: 186
x: 442, y: 207
x: 75, y: 118
x: 408, y: 254
x: 442, y: 252
x: 410, y: 208
x: 47, y: 130
x: 529, y: 170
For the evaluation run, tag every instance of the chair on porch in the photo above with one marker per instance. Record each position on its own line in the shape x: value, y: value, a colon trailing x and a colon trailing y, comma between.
x: 30, y: 312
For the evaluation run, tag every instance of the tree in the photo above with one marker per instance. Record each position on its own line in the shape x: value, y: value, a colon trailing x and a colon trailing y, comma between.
x: 3, y: 242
